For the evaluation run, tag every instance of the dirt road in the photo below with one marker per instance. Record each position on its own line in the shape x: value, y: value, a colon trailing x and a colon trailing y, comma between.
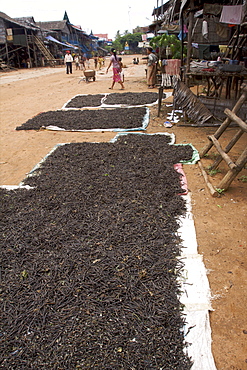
x: 220, y: 222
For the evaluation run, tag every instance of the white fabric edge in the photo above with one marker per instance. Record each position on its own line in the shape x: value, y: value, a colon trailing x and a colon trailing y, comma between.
x: 196, y: 296
x: 128, y: 106
x: 14, y: 187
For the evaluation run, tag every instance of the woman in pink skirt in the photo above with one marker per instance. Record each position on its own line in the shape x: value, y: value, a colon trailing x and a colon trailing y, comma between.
x: 114, y: 61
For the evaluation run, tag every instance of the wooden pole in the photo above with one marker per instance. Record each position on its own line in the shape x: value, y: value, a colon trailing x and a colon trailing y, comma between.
x: 34, y: 51
x: 182, y: 41
x: 189, y: 44
x: 7, y: 52
x: 160, y: 96
x: 236, y: 119
x: 18, y: 59
x: 227, y: 121
x: 229, y: 146
x: 211, y: 188
x: 28, y: 49
x: 236, y: 41
x: 225, y: 156
x: 231, y: 174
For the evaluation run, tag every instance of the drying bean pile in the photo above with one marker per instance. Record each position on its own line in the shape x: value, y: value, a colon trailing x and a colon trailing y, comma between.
x: 89, y: 260
x: 81, y: 101
x: 124, y: 118
x: 126, y: 98
x: 129, y: 98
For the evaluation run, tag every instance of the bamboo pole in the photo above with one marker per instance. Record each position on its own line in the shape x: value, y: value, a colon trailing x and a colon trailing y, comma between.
x: 231, y: 174
x: 229, y: 146
x: 225, y: 156
x: 227, y: 121
x: 7, y: 52
x: 211, y: 188
x: 236, y: 119
x: 189, y: 44
x: 28, y: 49
x: 235, y: 41
x: 34, y: 51
x: 182, y: 41
x: 160, y: 96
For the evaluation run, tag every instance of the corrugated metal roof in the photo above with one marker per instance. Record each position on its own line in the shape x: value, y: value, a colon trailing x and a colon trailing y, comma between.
x: 101, y: 35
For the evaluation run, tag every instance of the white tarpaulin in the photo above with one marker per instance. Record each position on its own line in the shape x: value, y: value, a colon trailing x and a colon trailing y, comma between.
x: 196, y: 297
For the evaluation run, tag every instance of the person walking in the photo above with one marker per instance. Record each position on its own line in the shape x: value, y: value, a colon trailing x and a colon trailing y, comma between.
x: 114, y: 61
x: 151, y: 68
x: 88, y: 62
x: 76, y: 59
x: 100, y: 60
x: 68, y: 59
x: 82, y: 63
x: 96, y: 61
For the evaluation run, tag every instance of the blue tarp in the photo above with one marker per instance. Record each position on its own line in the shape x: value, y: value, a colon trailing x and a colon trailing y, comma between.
x: 84, y: 48
x: 50, y: 38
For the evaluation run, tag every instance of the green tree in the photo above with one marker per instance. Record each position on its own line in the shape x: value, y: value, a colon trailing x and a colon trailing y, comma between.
x: 170, y: 41
x: 131, y: 38
x: 117, y: 45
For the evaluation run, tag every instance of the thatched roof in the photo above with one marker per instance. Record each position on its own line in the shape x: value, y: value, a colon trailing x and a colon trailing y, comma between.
x: 54, y: 25
x: 12, y: 20
x: 27, y: 21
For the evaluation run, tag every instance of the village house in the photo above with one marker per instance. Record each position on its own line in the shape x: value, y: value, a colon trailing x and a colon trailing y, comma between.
x: 25, y: 43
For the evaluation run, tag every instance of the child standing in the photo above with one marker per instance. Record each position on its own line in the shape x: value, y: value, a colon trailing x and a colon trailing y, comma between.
x: 76, y: 59
x: 121, y: 69
x: 100, y: 60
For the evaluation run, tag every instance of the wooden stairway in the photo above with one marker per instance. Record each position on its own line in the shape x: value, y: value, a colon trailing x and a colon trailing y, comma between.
x: 46, y: 53
x: 234, y: 168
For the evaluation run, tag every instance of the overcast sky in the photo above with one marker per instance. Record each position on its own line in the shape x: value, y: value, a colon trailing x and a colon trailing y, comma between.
x: 107, y: 16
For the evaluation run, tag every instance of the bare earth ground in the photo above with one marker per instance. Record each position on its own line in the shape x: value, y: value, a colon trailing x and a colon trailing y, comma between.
x: 220, y: 222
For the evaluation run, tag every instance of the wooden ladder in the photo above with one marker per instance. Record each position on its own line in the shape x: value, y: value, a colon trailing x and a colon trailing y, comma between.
x: 46, y: 53
x: 234, y: 168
